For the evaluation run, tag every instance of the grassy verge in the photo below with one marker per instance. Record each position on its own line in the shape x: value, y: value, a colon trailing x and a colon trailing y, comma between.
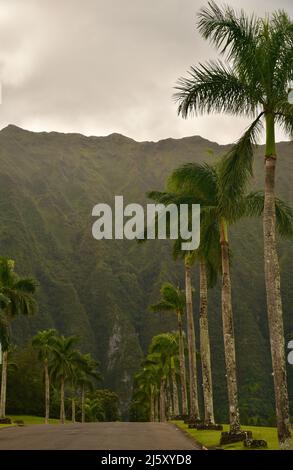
x: 212, y: 438
x: 30, y: 420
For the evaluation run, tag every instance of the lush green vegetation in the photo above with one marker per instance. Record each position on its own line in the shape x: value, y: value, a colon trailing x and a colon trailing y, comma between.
x: 26, y: 393
x: 95, y: 296
x: 211, y: 439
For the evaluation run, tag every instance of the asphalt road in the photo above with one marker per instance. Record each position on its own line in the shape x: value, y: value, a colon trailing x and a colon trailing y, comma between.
x: 96, y: 436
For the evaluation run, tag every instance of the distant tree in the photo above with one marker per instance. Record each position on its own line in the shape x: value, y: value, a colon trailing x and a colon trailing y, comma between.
x: 62, y: 366
x: 84, y: 375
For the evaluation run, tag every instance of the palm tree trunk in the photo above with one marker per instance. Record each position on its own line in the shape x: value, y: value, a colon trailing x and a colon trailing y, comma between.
x: 205, y: 351
x: 62, y: 407
x: 228, y: 332
x: 83, y: 404
x: 273, y: 292
x: 3, y: 384
x: 175, y: 394
x: 73, y: 410
x: 47, y: 393
x: 170, y: 400
x: 162, y: 401
x: 193, y: 406
x: 156, y: 405
x: 182, y: 367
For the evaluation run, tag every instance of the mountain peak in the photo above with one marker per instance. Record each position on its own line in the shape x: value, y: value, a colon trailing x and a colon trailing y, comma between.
x: 12, y: 127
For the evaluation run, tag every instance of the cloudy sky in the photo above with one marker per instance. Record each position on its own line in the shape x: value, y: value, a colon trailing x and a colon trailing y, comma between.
x: 103, y: 66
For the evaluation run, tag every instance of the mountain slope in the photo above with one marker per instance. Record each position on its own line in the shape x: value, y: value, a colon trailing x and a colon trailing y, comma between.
x: 49, y: 183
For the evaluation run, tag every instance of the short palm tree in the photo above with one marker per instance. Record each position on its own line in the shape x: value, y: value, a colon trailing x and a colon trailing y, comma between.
x: 17, y: 296
x: 44, y: 342
x: 173, y: 299
x: 254, y: 82
x: 62, y: 366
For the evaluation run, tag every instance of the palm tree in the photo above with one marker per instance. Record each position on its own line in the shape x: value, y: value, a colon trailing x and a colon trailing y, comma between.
x: 173, y: 299
x: 44, y: 342
x: 17, y: 298
x: 206, y: 185
x: 253, y: 83
x: 62, y: 365
x: 86, y: 370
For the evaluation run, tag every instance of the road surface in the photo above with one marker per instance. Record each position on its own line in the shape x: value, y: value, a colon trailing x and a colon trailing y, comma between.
x: 96, y: 436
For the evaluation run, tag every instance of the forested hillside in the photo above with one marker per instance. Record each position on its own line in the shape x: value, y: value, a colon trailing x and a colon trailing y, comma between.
x: 100, y: 290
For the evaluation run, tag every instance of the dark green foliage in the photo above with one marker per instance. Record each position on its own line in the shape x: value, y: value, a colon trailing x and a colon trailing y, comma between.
x: 108, y: 404
x: 25, y: 389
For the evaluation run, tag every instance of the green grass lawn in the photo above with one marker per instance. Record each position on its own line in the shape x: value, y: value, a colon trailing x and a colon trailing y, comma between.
x: 212, y: 438
x: 30, y: 420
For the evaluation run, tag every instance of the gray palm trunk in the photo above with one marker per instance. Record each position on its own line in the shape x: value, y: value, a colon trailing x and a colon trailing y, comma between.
x: 152, y: 406
x: 205, y: 348
x: 73, y: 410
x: 170, y: 409
x: 83, y: 404
x: 274, y: 301
x: 47, y: 393
x: 156, y: 404
x: 3, y: 384
x: 193, y: 392
x: 228, y: 332
x: 182, y: 367
x: 175, y: 394
x: 62, y: 406
x: 162, y: 401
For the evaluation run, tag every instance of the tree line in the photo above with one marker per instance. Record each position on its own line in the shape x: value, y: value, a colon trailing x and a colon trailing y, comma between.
x: 251, y: 80
x: 66, y: 370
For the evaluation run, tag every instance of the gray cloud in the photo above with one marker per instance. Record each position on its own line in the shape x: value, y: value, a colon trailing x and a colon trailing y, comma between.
x: 102, y: 66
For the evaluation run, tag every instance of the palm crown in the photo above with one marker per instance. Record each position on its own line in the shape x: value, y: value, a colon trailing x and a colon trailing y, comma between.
x: 253, y: 81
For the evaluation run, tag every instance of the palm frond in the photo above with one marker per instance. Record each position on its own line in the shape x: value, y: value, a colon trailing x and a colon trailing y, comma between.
x: 199, y: 180
x: 214, y: 88
x: 284, y: 116
x: 233, y: 33
x: 236, y: 168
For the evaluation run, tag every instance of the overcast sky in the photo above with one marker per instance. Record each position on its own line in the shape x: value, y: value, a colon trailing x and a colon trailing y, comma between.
x: 103, y: 66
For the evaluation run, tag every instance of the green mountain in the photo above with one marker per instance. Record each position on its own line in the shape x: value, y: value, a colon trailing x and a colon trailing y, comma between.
x: 49, y: 183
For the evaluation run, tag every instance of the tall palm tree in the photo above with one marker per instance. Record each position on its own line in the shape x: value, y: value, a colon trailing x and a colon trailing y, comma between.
x: 62, y: 366
x: 17, y: 296
x: 204, y: 184
x: 147, y: 382
x: 173, y: 299
x: 194, y: 414
x: 44, y: 342
x: 254, y: 82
